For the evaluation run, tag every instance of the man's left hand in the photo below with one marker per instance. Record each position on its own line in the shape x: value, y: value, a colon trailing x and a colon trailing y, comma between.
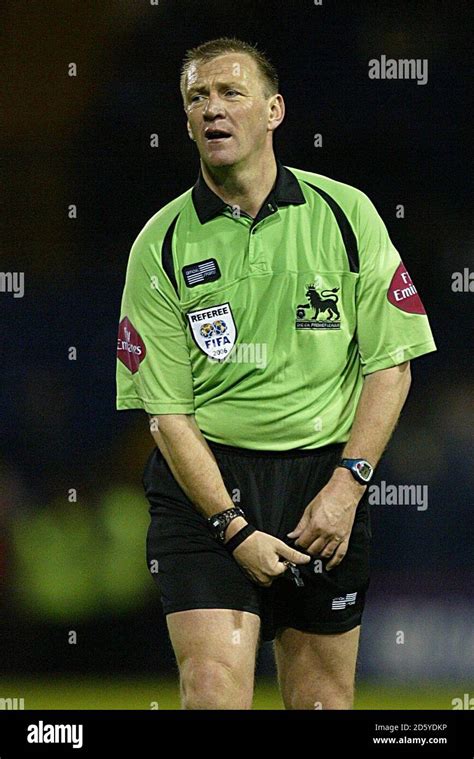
x: 326, y: 524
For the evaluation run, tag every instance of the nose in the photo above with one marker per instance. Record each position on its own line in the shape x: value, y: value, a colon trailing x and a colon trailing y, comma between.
x: 213, y: 107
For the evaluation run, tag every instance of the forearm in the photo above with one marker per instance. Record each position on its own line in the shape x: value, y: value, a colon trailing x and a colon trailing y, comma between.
x: 327, y: 520
x: 381, y: 401
x: 192, y: 463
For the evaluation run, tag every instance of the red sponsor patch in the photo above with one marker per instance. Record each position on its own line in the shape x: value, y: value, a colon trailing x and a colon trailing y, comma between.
x: 130, y: 347
x: 402, y: 292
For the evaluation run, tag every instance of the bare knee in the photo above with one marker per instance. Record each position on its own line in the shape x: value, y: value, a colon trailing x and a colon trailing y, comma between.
x: 317, y: 671
x: 211, y: 684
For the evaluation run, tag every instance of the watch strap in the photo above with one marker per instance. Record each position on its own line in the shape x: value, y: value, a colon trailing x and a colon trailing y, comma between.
x: 239, y: 537
x: 219, y: 522
x: 353, y: 466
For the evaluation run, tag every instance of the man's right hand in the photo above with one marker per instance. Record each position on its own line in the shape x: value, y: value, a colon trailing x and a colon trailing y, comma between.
x: 262, y: 557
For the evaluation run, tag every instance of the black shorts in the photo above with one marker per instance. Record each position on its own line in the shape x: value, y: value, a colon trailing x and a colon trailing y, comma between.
x: 193, y: 571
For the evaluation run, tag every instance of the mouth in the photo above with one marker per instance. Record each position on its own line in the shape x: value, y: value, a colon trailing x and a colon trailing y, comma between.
x: 216, y: 135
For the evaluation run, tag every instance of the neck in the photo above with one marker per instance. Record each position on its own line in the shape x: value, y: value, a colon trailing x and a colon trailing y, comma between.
x: 244, y: 185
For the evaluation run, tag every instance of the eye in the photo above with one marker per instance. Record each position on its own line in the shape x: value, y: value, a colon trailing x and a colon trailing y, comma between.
x: 193, y: 99
x: 232, y: 92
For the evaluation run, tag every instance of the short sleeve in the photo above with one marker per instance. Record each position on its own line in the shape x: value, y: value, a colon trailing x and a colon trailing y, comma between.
x: 153, y: 361
x: 392, y: 325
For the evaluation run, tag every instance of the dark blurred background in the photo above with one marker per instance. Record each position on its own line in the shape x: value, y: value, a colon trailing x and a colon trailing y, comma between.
x: 72, y: 512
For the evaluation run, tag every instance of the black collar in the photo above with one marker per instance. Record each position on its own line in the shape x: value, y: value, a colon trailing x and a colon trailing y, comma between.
x: 285, y: 191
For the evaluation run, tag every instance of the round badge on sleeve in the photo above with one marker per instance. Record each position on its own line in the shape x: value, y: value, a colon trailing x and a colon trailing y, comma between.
x: 213, y: 330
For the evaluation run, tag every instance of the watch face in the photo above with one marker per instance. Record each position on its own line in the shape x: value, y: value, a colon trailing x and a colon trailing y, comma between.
x: 364, y: 470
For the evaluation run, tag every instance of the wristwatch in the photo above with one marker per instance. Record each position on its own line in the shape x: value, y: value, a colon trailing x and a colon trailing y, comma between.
x: 360, y: 469
x: 219, y: 522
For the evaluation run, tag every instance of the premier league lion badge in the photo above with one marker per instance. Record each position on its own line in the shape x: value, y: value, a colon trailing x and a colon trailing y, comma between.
x: 213, y: 330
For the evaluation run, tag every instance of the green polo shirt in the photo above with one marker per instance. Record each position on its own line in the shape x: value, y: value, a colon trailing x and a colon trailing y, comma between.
x: 264, y: 328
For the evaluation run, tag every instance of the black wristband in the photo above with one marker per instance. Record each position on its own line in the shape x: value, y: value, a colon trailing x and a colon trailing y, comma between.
x: 239, y: 537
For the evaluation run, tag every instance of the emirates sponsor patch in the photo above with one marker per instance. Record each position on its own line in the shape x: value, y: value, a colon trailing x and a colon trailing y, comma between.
x: 130, y: 346
x: 403, y: 294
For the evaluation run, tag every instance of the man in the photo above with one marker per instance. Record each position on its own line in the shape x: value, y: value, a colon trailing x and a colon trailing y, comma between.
x: 267, y: 327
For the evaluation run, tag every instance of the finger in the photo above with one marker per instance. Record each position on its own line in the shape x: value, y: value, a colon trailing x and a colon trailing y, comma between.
x: 299, y: 528
x: 292, y: 554
x: 294, y: 533
x: 308, y: 536
x: 338, y: 555
x: 318, y: 545
x: 277, y: 568
x: 330, y: 548
x: 281, y: 568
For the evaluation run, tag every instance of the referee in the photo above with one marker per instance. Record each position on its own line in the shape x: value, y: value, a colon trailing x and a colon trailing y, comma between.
x: 267, y: 327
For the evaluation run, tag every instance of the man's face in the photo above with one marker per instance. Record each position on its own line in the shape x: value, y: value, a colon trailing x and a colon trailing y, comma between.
x: 228, y: 114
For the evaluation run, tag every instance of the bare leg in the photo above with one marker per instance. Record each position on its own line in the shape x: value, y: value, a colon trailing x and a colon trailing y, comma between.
x: 216, y: 652
x: 316, y: 671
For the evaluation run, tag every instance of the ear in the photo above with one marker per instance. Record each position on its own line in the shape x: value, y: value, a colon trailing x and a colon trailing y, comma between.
x: 276, y: 114
x: 188, y: 127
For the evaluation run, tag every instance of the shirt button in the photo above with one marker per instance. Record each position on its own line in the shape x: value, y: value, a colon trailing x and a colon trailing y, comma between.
x: 270, y: 206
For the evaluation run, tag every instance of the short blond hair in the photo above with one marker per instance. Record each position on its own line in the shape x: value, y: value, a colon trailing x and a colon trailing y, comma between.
x: 223, y: 45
